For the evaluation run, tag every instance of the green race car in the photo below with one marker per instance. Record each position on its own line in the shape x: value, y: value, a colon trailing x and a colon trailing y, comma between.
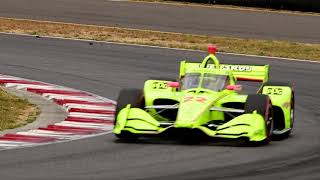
x: 207, y: 101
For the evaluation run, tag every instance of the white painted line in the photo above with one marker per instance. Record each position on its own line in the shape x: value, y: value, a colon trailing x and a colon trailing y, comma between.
x: 98, y: 118
x: 14, y: 143
x: 24, y: 86
x: 62, y: 97
x: 50, y: 96
x: 10, y: 145
x: 71, y: 123
x: 91, y: 115
x: 40, y: 133
x: 11, y: 78
x: 84, y: 125
x: 41, y: 87
x: 56, y: 142
x: 4, y: 76
x: 47, y: 132
x: 51, y: 88
x: 89, y: 107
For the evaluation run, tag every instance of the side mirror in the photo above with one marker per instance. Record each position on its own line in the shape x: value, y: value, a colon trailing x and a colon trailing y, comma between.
x: 234, y: 87
x: 173, y: 84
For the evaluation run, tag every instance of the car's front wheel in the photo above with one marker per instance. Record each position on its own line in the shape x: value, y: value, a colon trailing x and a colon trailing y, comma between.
x: 262, y: 104
x: 135, y: 98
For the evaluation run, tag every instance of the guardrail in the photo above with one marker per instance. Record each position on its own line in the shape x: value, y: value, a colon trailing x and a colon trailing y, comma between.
x: 300, y: 5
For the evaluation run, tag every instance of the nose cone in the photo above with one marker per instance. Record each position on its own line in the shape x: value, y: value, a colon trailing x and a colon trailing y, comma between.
x: 192, y: 110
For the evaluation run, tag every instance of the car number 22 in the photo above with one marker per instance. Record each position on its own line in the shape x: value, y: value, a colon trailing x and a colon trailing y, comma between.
x: 274, y: 91
x: 159, y: 85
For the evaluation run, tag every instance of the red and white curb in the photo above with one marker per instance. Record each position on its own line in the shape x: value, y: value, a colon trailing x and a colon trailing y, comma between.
x: 88, y: 114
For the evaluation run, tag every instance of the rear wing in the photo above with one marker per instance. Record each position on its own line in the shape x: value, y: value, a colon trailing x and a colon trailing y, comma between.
x: 258, y: 73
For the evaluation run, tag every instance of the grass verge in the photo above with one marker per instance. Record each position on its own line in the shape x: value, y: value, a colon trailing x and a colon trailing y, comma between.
x: 165, y: 39
x: 15, y: 112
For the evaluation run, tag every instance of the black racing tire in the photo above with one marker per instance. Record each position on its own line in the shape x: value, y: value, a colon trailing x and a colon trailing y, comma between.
x: 292, y: 114
x: 135, y: 98
x: 292, y: 109
x: 262, y: 104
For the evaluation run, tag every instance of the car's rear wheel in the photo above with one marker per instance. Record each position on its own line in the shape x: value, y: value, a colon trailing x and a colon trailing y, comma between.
x: 262, y: 104
x: 135, y: 98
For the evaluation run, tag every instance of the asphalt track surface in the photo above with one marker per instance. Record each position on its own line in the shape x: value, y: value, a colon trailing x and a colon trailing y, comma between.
x: 104, y: 69
x: 197, y: 20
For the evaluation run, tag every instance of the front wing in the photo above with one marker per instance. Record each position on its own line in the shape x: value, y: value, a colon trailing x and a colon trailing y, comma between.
x: 138, y: 121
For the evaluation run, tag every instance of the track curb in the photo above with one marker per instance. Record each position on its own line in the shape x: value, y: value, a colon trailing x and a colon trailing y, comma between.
x: 87, y: 115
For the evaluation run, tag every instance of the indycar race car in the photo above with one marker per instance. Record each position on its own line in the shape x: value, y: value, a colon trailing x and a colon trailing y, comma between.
x: 208, y: 101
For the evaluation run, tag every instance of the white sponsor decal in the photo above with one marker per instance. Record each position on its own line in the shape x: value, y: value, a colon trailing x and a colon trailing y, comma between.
x: 232, y: 67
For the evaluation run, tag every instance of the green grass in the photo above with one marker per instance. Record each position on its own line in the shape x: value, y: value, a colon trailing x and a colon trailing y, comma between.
x: 15, y: 112
x: 165, y: 39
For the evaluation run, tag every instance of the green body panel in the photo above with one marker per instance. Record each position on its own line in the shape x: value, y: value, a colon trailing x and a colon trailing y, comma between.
x: 193, y: 109
x: 194, y: 106
x: 135, y: 118
x: 155, y: 89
